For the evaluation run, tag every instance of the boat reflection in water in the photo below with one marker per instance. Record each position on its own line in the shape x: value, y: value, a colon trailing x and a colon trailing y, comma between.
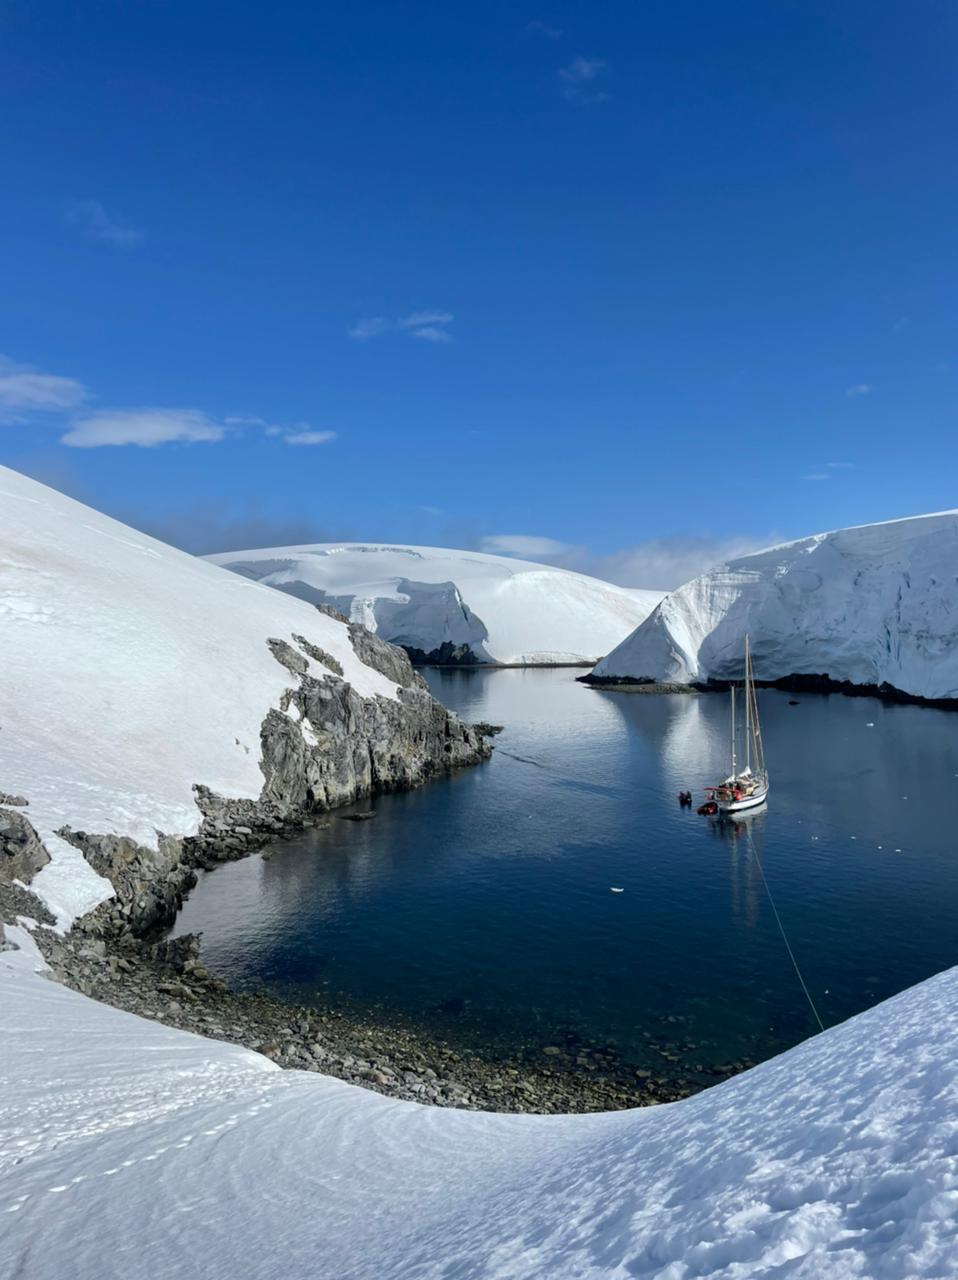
x: 744, y: 833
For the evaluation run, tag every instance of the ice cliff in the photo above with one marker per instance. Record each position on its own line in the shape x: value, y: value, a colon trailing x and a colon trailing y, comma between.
x: 875, y: 605
x: 456, y: 606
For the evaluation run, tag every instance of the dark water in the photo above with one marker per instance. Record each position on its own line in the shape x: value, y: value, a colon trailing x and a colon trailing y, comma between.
x: 480, y: 907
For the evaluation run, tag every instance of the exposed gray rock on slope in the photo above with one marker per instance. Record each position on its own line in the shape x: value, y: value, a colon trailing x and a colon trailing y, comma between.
x: 21, y: 853
x: 327, y: 747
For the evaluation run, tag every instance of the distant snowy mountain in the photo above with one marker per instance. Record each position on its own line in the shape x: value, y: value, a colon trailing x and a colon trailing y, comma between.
x: 132, y: 1151
x: 131, y: 673
x: 445, y: 605
x: 873, y: 605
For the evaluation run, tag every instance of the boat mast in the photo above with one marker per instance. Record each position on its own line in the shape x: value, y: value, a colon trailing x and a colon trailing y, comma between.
x: 757, y: 746
x: 733, y: 730
x: 748, y: 707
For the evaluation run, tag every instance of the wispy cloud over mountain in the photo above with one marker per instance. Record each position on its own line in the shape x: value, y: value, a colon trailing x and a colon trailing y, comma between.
x: 657, y: 563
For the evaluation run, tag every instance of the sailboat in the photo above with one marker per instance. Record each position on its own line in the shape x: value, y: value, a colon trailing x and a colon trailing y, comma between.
x: 745, y: 788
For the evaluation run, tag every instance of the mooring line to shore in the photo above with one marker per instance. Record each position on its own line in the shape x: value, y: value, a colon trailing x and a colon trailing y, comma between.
x: 781, y: 929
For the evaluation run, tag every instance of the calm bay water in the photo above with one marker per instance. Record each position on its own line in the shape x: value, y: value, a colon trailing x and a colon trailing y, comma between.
x: 479, y: 907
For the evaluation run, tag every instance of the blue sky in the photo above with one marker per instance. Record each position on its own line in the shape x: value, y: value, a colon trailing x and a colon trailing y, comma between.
x: 648, y: 282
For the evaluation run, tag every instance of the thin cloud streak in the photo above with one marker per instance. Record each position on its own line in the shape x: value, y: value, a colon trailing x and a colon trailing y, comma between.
x: 524, y: 546
x: 25, y: 390
x: 539, y: 28
x: 578, y: 80
x: 90, y: 218
x: 309, y: 437
x: 431, y: 326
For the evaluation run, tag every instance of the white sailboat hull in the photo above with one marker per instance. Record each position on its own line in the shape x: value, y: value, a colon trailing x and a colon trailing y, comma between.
x: 747, y: 802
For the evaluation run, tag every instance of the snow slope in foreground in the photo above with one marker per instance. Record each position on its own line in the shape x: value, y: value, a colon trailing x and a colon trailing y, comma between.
x: 131, y: 671
x: 136, y: 1151
x: 505, y: 611
x: 871, y: 605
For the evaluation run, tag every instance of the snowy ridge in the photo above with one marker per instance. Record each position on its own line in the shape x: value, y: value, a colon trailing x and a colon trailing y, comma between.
x: 871, y: 605
x: 131, y: 671
x: 505, y: 611
x: 140, y: 1152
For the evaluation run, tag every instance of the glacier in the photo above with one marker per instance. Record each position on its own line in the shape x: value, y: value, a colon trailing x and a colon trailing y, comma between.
x: 441, y: 604
x: 875, y: 605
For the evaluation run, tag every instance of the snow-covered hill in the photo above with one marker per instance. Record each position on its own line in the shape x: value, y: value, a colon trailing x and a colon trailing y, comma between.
x: 135, y: 1151
x: 446, y: 605
x: 871, y: 605
x: 130, y: 672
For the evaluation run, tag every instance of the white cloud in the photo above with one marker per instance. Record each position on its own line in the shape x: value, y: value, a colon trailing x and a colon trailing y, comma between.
x: 579, y: 80
x: 429, y: 325
x: 362, y: 330
x: 430, y: 333
x: 90, y: 217
x: 657, y: 563
x: 817, y: 475
x: 23, y: 389
x: 665, y: 563
x: 144, y: 427
x: 525, y: 546
x: 860, y: 389
x: 540, y: 28
x: 26, y: 393
x: 841, y: 466
x: 417, y: 318
x: 309, y: 437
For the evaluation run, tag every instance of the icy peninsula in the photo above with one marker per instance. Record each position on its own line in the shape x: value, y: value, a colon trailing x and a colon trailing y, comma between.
x: 156, y: 709
x: 874, y: 606
x: 456, y: 606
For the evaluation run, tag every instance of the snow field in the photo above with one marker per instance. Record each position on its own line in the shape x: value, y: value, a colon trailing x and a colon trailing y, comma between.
x: 511, y: 612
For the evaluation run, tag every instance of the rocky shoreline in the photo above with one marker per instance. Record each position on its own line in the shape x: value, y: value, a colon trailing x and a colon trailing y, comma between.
x: 795, y: 683
x: 167, y: 982
x: 326, y: 748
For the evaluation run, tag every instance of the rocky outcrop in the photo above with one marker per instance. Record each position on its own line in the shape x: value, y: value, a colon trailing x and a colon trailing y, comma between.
x: 388, y: 659
x: 326, y: 746
x: 21, y: 853
x: 446, y: 655
x: 320, y: 655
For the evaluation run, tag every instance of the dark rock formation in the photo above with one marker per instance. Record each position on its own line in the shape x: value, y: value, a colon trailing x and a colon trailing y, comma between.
x: 388, y: 659
x: 21, y: 853
x: 320, y: 655
x: 328, y: 746
x: 286, y: 655
x: 797, y: 682
x: 447, y: 655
